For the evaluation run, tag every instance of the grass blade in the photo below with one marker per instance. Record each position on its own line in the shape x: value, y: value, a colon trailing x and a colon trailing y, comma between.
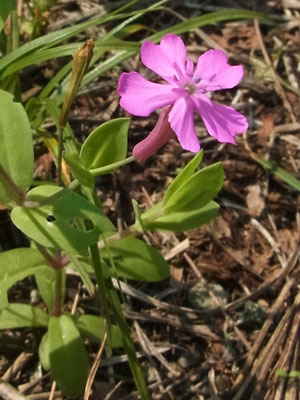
x: 280, y: 173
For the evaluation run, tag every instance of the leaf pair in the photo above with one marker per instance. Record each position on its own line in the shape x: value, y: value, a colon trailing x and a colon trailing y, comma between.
x: 188, y: 201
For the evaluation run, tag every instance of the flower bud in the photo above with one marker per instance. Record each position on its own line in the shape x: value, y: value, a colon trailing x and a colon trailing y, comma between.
x: 160, y: 135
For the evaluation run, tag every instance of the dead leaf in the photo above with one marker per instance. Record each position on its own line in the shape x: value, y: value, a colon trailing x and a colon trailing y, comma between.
x: 266, y: 128
x: 254, y: 200
x: 222, y: 228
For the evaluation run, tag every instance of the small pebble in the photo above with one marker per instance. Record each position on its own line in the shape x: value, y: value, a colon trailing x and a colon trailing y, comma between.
x: 188, y: 360
x: 35, y: 297
x: 199, y: 296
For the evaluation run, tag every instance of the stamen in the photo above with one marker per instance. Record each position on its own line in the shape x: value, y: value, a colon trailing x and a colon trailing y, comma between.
x: 191, y: 88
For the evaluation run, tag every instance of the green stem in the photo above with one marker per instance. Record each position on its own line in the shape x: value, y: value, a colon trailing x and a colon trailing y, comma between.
x: 16, y: 193
x: 104, y: 170
x: 59, y: 154
x: 13, y: 37
x: 56, y: 309
x: 55, y: 262
x: 14, y: 30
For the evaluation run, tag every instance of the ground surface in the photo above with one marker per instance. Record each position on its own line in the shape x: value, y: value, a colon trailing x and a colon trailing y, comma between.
x: 244, y: 266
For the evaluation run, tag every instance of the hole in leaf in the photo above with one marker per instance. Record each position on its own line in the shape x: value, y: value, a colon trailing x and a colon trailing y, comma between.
x: 73, y: 223
x: 50, y: 218
x: 89, y: 225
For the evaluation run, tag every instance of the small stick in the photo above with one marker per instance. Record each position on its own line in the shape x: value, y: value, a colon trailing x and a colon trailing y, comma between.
x: 94, y: 368
x: 109, y: 395
x: 144, y: 342
x: 152, y: 349
x: 18, y: 364
x: 52, y: 392
x: 257, y: 344
x: 8, y: 392
x: 268, y: 61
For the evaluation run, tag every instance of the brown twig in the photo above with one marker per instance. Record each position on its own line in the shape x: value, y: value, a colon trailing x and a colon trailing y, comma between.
x: 17, y: 366
x: 8, y: 392
x: 268, y: 61
x: 94, y: 368
x: 267, y: 354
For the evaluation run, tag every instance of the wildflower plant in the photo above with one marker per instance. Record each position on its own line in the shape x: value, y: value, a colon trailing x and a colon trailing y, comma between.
x: 65, y: 221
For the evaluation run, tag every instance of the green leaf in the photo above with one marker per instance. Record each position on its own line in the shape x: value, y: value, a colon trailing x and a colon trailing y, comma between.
x: 280, y: 173
x: 111, y: 61
x: 68, y: 358
x: 46, y: 282
x: 183, y: 220
x: 44, y: 352
x: 51, y: 39
x: 93, y: 327
x: 84, y: 269
x: 5, y: 8
x: 106, y: 145
x: 137, y: 214
x: 22, y: 262
x: 188, y: 201
x: 197, y: 191
x: 183, y: 176
x: 54, y: 225
x: 135, y: 259
x: 78, y: 170
x: 65, y: 50
x: 212, y: 19
x: 17, y: 315
x: 16, y: 149
x: 287, y: 374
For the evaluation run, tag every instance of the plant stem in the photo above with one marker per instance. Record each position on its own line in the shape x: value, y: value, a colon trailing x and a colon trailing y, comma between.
x: 14, y: 30
x: 56, y: 309
x: 57, y: 263
x: 16, y: 193
x: 127, y: 342
x: 103, y: 170
x: 59, y: 154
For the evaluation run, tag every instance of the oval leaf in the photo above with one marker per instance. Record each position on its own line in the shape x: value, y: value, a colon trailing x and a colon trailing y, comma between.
x: 135, y: 259
x: 183, y: 220
x: 68, y: 358
x: 52, y: 225
x: 22, y: 263
x: 93, y: 327
x: 78, y: 170
x: 197, y: 190
x: 46, y: 282
x: 183, y: 176
x: 106, y: 145
x: 17, y: 315
x: 44, y: 351
x: 16, y: 150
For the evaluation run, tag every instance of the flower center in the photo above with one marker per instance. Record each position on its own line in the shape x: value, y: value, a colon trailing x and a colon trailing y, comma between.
x: 190, y: 88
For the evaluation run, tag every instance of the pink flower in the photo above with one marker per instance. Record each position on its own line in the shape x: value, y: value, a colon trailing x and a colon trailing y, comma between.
x: 185, y: 91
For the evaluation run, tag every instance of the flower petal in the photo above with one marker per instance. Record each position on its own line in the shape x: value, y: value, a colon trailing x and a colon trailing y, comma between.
x: 141, y: 97
x: 214, y: 73
x: 166, y: 59
x: 222, y: 122
x: 181, y: 119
